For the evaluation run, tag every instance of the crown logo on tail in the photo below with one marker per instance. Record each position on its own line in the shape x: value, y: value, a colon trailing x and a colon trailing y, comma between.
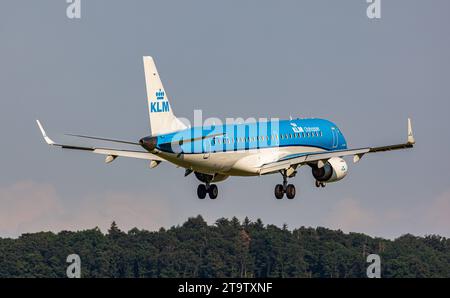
x: 160, y: 94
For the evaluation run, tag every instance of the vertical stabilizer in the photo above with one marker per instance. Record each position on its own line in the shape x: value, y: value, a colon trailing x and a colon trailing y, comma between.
x: 162, y: 119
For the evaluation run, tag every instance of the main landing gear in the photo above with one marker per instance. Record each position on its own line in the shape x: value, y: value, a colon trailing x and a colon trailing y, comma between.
x: 285, y: 188
x: 320, y: 184
x: 207, y: 188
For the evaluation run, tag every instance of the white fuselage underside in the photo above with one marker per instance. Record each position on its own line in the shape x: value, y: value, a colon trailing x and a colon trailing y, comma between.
x: 234, y: 163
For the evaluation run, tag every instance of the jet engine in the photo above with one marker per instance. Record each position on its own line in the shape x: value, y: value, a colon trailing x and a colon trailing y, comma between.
x: 334, y: 170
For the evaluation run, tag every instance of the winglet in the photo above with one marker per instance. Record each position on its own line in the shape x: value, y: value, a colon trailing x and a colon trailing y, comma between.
x: 46, y: 138
x: 411, y: 140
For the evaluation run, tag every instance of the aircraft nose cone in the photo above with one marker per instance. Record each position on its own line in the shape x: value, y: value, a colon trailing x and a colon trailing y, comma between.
x: 149, y: 143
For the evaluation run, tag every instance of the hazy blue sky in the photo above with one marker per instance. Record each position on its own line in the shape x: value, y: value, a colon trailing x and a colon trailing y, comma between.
x: 231, y: 59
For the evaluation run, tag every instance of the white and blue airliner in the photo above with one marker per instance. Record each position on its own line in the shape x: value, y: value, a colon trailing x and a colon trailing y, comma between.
x: 214, y: 153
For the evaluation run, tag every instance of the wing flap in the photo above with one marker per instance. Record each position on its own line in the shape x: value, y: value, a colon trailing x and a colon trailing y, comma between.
x: 128, y: 153
x: 391, y: 147
x: 286, y: 162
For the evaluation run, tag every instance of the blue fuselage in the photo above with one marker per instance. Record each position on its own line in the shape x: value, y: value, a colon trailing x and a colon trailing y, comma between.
x: 317, y: 133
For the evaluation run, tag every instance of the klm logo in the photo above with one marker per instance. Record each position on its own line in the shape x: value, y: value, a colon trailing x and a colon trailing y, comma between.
x: 296, y: 128
x: 160, y: 95
x: 160, y: 105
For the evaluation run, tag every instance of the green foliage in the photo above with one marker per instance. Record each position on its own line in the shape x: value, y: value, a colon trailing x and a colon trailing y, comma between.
x: 228, y: 248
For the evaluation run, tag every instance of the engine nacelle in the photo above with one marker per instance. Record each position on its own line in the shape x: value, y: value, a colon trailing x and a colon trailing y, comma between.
x: 334, y: 170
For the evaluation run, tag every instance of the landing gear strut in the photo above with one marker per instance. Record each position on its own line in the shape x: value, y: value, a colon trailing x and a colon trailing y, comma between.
x: 207, y: 188
x: 285, y: 188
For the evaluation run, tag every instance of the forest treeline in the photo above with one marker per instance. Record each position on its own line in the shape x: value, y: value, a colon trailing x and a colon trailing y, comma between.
x: 229, y: 248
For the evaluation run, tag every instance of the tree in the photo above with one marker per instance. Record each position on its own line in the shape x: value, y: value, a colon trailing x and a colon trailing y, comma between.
x: 225, y: 249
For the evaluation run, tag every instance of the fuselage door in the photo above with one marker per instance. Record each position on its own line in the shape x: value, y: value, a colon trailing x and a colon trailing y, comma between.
x: 207, y: 147
x: 335, y: 137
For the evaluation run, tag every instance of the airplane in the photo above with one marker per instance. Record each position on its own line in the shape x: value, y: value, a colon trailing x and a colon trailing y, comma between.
x: 214, y: 153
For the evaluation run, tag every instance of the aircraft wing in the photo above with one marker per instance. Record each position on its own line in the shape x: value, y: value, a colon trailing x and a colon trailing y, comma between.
x: 320, y: 158
x: 100, y: 150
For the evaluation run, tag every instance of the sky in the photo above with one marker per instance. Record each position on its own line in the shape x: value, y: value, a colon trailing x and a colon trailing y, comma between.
x: 233, y: 58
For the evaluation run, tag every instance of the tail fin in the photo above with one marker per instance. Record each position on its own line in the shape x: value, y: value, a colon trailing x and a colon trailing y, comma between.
x: 162, y: 120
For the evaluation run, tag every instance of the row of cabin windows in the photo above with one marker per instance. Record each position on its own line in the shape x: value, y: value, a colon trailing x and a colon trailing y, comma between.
x: 266, y: 138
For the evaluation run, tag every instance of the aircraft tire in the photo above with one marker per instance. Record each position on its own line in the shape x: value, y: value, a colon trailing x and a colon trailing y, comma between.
x: 279, y: 192
x: 290, y: 191
x: 201, y: 191
x: 213, y: 191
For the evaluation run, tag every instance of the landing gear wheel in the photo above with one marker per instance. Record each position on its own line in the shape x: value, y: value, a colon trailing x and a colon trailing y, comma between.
x: 213, y: 191
x: 201, y: 191
x: 322, y: 184
x: 279, y: 191
x: 290, y: 191
x: 318, y: 184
